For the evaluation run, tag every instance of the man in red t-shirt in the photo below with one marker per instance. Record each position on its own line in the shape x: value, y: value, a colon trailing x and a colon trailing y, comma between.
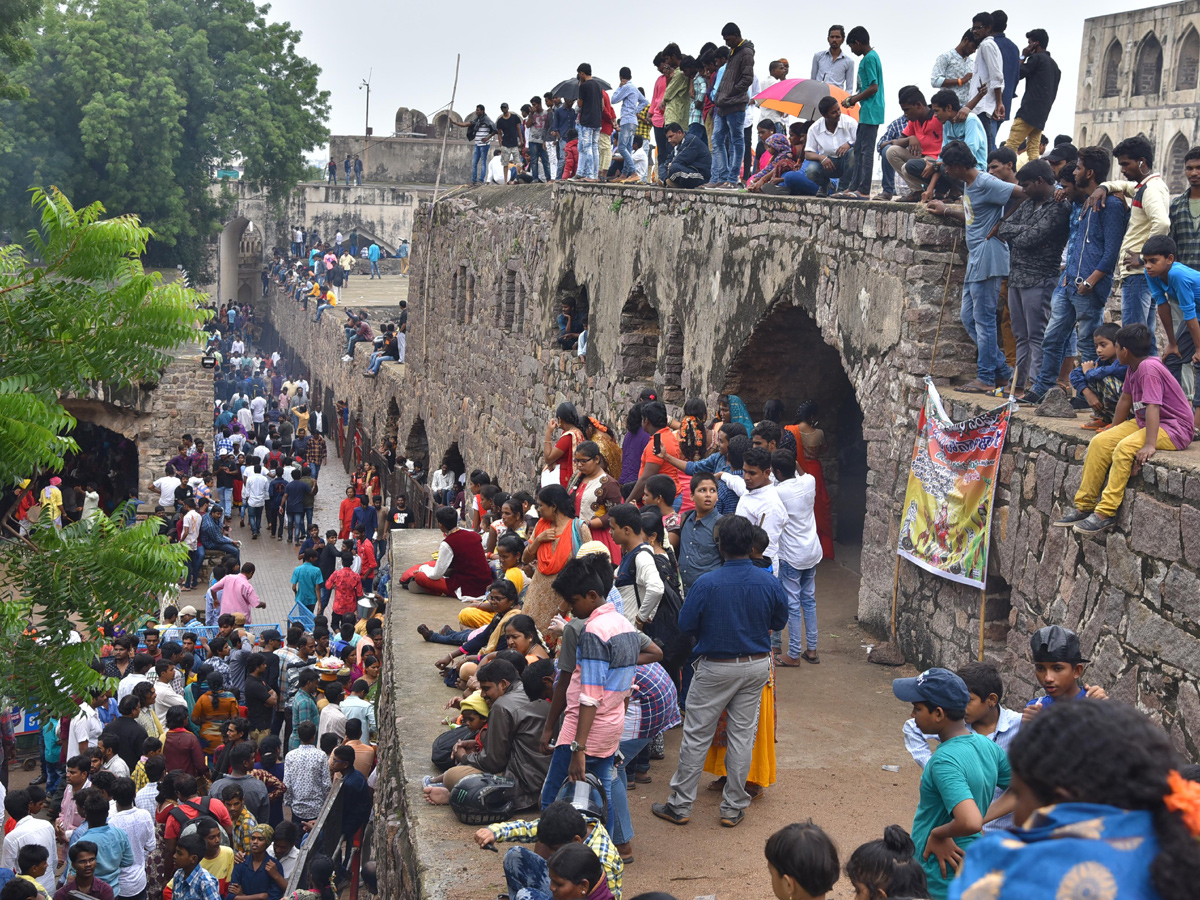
x: 191, y: 805
x: 366, y: 552
x: 663, y: 442
x: 921, y: 144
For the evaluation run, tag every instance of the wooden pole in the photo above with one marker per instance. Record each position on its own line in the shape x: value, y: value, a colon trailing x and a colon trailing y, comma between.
x: 437, y: 183
x: 932, y: 359
x: 982, y: 609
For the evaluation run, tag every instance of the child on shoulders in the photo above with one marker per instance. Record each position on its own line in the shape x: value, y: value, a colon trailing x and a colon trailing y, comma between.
x: 1162, y: 421
x: 1099, y: 382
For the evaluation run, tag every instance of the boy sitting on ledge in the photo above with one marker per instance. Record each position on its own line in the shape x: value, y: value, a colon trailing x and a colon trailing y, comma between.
x: 1163, y: 421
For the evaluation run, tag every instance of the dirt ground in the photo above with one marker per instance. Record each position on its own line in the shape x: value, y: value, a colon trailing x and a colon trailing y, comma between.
x: 838, y: 725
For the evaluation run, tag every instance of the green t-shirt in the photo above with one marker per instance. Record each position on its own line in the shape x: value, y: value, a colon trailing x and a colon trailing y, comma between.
x: 967, y: 767
x: 309, y: 581
x: 870, y: 71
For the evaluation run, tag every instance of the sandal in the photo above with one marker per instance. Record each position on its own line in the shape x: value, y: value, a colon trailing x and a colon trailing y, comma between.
x: 811, y: 656
x: 425, y: 632
x: 779, y: 661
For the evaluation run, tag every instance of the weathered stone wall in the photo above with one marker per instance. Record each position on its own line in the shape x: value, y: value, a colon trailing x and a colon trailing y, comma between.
x: 1133, y: 595
x: 406, y: 160
x: 155, y: 416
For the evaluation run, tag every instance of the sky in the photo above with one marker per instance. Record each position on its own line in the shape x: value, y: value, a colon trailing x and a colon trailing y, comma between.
x: 408, y: 49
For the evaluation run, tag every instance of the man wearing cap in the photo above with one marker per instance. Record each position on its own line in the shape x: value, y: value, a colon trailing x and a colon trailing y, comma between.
x: 959, y: 780
x: 1062, y: 156
x: 1058, y: 664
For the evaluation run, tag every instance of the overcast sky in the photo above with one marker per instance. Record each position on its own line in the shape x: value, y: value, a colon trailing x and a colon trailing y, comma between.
x: 409, y: 48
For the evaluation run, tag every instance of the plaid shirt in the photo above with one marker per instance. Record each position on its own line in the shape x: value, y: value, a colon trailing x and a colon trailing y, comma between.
x: 304, y: 709
x: 653, y: 703
x: 242, y: 826
x: 644, y: 126
x: 894, y: 130
x: 1186, y: 232
x: 696, y: 109
x: 197, y: 886
x: 598, y: 840
x: 224, y: 446
x: 317, y: 452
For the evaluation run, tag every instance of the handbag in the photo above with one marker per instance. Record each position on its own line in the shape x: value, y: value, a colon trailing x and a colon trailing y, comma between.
x: 550, y: 475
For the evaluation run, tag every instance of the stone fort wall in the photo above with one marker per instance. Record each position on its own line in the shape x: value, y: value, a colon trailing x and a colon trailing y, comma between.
x: 778, y: 298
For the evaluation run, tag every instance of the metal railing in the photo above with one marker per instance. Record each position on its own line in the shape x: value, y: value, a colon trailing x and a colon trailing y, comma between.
x: 325, y: 839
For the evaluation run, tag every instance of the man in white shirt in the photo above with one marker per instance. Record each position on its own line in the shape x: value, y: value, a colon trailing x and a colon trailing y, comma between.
x: 245, y: 417
x: 496, y: 173
x: 84, y: 731
x: 829, y: 148
x: 640, y: 162
x: 28, y: 830
x: 258, y: 409
x: 441, y: 483
x: 165, y: 695
x: 138, y: 825
x: 987, y: 81
x: 799, y: 554
x: 191, y: 539
x: 166, y: 488
x: 333, y: 720
x: 758, y: 501
x: 236, y: 346
x: 254, y: 492
x: 141, y: 664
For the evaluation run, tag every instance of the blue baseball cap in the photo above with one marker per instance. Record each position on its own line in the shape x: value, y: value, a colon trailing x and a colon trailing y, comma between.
x: 937, y: 687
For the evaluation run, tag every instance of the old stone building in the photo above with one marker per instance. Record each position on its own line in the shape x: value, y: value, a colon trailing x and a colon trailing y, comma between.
x: 1139, y: 73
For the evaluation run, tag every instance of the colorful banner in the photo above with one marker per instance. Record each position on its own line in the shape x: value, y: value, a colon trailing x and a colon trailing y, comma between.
x: 948, y: 504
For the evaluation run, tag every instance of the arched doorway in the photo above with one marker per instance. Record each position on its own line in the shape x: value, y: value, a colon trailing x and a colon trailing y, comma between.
x: 417, y: 446
x: 239, y: 258
x: 1110, y: 84
x: 1147, y: 73
x: 106, y: 459
x: 786, y: 358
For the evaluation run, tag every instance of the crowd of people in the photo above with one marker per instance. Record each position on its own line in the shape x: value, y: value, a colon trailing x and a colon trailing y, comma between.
x: 659, y: 579
x: 710, y: 120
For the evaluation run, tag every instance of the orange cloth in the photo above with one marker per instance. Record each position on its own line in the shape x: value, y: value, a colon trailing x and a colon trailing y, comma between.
x: 552, y: 556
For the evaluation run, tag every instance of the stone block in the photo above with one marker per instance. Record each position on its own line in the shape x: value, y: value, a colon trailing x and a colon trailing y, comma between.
x: 1151, y: 635
x: 1181, y: 592
x: 1189, y: 521
x: 1124, y: 567
x: 1155, y: 528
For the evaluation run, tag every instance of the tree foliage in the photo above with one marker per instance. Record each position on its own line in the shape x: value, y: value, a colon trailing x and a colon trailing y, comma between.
x: 15, y: 16
x: 87, y: 313
x: 134, y: 103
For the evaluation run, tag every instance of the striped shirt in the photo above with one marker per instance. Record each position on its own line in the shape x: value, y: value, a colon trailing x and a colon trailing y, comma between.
x: 605, y: 662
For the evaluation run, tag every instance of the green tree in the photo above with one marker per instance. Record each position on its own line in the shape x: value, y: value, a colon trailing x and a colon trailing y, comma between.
x: 87, y: 313
x: 135, y: 103
x: 15, y: 15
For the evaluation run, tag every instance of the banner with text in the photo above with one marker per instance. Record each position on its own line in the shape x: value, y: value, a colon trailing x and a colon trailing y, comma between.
x: 948, y: 504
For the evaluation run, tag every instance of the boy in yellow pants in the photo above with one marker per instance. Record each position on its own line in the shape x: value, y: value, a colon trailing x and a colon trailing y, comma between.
x: 1162, y: 421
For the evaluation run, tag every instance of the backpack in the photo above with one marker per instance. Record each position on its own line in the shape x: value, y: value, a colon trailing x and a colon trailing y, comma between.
x: 204, y: 810
x: 664, y: 629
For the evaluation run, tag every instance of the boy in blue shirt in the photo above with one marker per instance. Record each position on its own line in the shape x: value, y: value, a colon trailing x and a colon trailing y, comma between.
x: 960, y: 779
x: 1098, y: 382
x: 1058, y: 664
x: 1174, y: 284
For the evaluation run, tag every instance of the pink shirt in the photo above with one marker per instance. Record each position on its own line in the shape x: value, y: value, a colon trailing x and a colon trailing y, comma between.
x: 657, y: 116
x: 238, y: 595
x: 605, y: 662
x: 1152, y: 383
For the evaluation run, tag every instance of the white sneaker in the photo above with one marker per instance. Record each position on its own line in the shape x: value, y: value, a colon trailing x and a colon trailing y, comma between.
x: 346, y: 358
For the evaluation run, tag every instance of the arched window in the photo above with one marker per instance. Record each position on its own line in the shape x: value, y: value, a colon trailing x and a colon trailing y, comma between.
x: 1147, y: 73
x: 640, y: 332
x: 1188, y: 65
x: 1110, y: 85
x: 1173, y: 171
x: 1106, y: 144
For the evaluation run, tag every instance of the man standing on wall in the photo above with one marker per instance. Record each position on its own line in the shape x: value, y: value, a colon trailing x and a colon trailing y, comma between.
x: 833, y: 66
x: 479, y: 130
x: 402, y: 255
x: 591, y: 117
x: 373, y: 256
x: 731, y: 97
x: 1041, y: 76
x: 511, y: 138
x: 402, y: 330
x: 870, y: 113
x: 987, y: 84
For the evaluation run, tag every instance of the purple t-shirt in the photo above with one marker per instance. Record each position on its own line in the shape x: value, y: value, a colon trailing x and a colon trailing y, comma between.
x: 631, y: 454
x: 1152, y: 383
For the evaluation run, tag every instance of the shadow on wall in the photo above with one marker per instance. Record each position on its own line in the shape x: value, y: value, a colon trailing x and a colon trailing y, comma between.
x: 787, y: 359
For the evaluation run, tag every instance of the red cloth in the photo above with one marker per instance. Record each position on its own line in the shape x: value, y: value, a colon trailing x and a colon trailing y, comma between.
x: 607, y: 116
x: 571, y: 158
x: 821, y: 508
x: 469, y: 570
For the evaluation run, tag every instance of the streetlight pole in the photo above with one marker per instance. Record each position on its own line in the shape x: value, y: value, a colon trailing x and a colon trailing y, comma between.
x: 367, y: 118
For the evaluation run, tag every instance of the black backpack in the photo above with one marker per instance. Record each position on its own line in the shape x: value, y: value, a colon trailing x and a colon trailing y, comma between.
x: 664, y: 628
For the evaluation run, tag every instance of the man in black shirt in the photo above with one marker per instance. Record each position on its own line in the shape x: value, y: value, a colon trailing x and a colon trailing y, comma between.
x: 1041, y: 76
x: 512, y: 139
x: 591, y: 109
x: 327, y: 561
x: 402, y: 330
x: 129, y: 733
x: 400, y: 516
x: 261, y: 699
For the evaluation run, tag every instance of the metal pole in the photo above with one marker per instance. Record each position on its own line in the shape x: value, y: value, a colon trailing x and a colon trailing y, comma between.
x: 437, y: 183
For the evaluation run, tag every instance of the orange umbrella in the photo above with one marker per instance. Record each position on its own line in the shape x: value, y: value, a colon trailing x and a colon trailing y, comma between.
x: 799, y: 97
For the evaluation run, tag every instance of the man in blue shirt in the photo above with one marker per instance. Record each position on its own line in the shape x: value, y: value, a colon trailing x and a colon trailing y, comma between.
x: 1078, y: 301
x: 731, y: 612
x: 945, y: 106
x: 1011, y: 54
x: 366, y: 516
x: 984, y: 201
x: 1173, y: 281
x: 373, y: 256
x: 632, y: 102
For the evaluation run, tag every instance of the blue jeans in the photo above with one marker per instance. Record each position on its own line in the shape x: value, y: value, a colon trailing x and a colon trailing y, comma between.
x: 295, y: 525
x: 1068, y: 310
x: 556, y: 776
x: 526, y: 874
x: 800, y: 184
x: 316, y: 470
x: 562, y: 156
x: 375, y: 269
x: 256, y: 513
x: 620, y: 802
x: 454, y: 638
x: 379, y: 361
x: 814, y: 171
x: 1137, y: 306
x: 225, y: 498
x: 729, y: 144
x: 800, y: 585
x: 979, y: 299
x: 990, y: 127
x: 887, y: 175
x: 479, y: 164
x: 625, y: 148
x: 321, y: 309
x: 195, y: 560
x: 537, y: 151
x: 589, y: 152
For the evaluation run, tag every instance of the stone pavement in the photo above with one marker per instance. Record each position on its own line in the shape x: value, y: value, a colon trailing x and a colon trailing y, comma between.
x: 373, y: 293
x: 274, y: 560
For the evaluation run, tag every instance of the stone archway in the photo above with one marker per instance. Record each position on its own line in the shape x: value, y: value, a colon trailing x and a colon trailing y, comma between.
x: 787, y: 358
x: 239, y: 255
x: 417, y: 446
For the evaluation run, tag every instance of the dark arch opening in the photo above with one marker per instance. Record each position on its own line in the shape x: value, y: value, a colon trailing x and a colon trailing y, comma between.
x: 640, y: 333
x: 1111, y: 84
x: 786, y: 358
x: 574, y: 297
x: 1147, y: 73
x: 453, y: 458
x: 106, y: 458
x: 1187, y: 66
x: 1173, y: 170
x: 416, y: 447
